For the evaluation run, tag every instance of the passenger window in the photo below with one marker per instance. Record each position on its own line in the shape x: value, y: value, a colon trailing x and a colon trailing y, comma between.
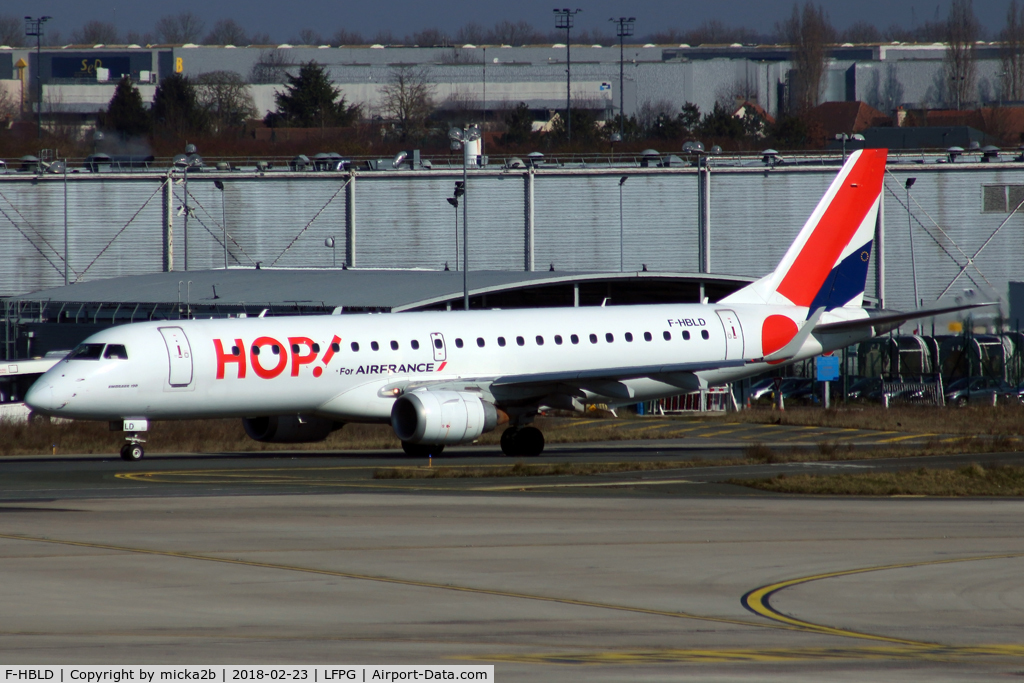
x: 375, y: 346
x: 86, y: 352
x: 558, y: 339
x: 593, y: 339
x: 458, y: 342
x: 415, y: 345
x: 704, y: 334
x: 118, y: 351
x: 295, y: 348
x: 336, y: 347
x: 667, y: 335
x: 355, y: 346
x: 686, y: 335
x: 315, y: 347
x: 276, y: 349
x: 574, y: 339
x: 520, y: 341
x: 501, y: 341
x: 234, y: 350
x: 255, y: 350
x: 394, y: 345
x: 608, y: 337
x: 647, y: 336
x: 540, y: 340
x: 438, y: 343
x: 628, y: 336
x: 480, y: 342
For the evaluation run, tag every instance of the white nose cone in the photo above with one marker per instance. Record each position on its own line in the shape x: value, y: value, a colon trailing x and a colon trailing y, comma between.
x: 41, y: 398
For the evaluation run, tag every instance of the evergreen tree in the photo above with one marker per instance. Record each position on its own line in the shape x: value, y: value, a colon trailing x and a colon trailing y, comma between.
x: 519, y: 123
x: 126, y: 114
x: 310, y: 100
x: 176, y: 109
x: 719, y: 123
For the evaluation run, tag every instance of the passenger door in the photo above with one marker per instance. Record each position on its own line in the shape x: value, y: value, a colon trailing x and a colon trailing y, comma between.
x: 179, y: 355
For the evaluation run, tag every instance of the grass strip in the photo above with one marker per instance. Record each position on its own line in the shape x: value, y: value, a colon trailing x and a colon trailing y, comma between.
x: 1003, y: 419
x: 972, y: 480
x: 523, y: 470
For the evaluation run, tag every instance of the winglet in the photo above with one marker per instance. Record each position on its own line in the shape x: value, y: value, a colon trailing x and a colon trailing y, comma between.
x: 797, y: 342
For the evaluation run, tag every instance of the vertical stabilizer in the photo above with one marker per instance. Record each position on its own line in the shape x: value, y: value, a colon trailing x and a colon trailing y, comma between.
x: 827, y: 264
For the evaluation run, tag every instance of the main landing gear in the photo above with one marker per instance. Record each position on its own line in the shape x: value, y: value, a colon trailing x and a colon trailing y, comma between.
x: 421, y: 450
x: 133, y: 450
x: 522, y: 441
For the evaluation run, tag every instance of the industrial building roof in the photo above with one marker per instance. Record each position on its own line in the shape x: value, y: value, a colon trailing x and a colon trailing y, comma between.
x: 395, y: 290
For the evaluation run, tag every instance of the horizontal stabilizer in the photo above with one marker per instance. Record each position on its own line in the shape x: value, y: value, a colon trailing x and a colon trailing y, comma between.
x: 895, y: 318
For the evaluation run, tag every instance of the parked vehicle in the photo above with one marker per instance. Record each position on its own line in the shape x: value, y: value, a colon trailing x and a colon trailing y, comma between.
x: 979, y: 390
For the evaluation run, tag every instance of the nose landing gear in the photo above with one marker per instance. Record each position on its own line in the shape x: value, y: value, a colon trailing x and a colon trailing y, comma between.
x: 133, y: 450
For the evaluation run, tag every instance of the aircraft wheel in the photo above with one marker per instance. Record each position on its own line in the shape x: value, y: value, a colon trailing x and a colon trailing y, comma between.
x: 530, y: 442
x: 421, y: 450
x: 508, y: 441
x: 132, y: 451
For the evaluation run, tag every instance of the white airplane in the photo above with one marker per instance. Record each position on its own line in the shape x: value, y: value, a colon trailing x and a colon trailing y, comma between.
x: 447, y: 377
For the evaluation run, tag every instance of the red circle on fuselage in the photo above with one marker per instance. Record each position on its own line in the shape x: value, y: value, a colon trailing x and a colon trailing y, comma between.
x: 776, y: 332
x: 281, y: 363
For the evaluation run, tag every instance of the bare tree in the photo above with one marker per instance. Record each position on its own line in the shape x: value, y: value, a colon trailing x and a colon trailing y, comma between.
x: 961, y: 69
x: 810, y: 34
x: 892, y: 90
x: 226, y: 32
x: 270, y: 68
x: 471, y: 33
x: 179, y: 28
x: 431, y: 37
x: 308, y: 36
x: 408, y: 99
x: 506, y: 32
x: 1013, y: 53
x: 12, y: 31
x: 262, y: 38
x: 227, y: 99
x: 714, y: 31
x: 9, y: 107
x: 136, y: 38
x: 384, y: 37
x: 95, y: 33
x: 669, y: 36
x: 861, y: 32
x: 345, y: 37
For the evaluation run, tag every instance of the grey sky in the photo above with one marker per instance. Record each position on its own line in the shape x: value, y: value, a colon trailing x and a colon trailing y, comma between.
x: 284, y: 20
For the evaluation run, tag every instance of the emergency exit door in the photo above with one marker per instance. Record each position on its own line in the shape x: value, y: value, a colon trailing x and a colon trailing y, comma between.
x: 733, y: 334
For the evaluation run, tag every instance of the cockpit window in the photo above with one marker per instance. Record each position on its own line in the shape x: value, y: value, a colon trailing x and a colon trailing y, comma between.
x: 118, y: 351
x: 87, y: 352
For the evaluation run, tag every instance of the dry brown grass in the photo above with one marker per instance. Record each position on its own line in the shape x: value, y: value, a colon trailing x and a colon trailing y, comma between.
x: 523, y: 470
x: 1005, y: 420
x: 973, y: 480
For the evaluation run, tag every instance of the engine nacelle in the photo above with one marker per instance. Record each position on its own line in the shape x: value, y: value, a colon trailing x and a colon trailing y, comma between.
x: 442, y: 417
x: 289, y: 428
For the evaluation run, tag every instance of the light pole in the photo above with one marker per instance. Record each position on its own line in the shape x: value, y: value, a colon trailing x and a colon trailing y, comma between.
x: 848, y: 136
x: 460, y: 189
x: 624, y: 30
x: 185, y: 161
x: 329, y: 243
x: 463, y: 137
x: 219, y: 184
x: 565, y: 20
x: 622, y: 181
x: 913, y: 261
x: 34, y: 27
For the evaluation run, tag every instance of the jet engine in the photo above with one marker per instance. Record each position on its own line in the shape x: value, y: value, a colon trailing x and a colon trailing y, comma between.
x: 289, y: 428
x: 443, y: 417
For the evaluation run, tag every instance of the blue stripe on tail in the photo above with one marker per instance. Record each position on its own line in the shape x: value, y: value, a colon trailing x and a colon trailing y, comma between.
x: 845, y: 282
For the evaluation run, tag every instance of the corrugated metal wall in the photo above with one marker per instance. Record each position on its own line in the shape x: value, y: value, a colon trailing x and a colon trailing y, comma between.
x: 114, y: 227
x: 118, y: 224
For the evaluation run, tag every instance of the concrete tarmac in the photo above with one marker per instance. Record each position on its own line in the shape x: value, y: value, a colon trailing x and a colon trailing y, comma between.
x: 602, y: 584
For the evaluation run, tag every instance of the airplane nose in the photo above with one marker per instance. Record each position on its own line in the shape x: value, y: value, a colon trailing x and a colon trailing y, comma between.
x: 42, y: 398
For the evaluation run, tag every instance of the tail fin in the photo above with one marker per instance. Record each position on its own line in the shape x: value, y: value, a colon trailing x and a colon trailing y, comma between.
x: 827, y: 264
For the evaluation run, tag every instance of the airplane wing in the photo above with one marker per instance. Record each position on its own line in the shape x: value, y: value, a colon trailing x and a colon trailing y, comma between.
x: 604, y: 381
x: 894, y: 318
